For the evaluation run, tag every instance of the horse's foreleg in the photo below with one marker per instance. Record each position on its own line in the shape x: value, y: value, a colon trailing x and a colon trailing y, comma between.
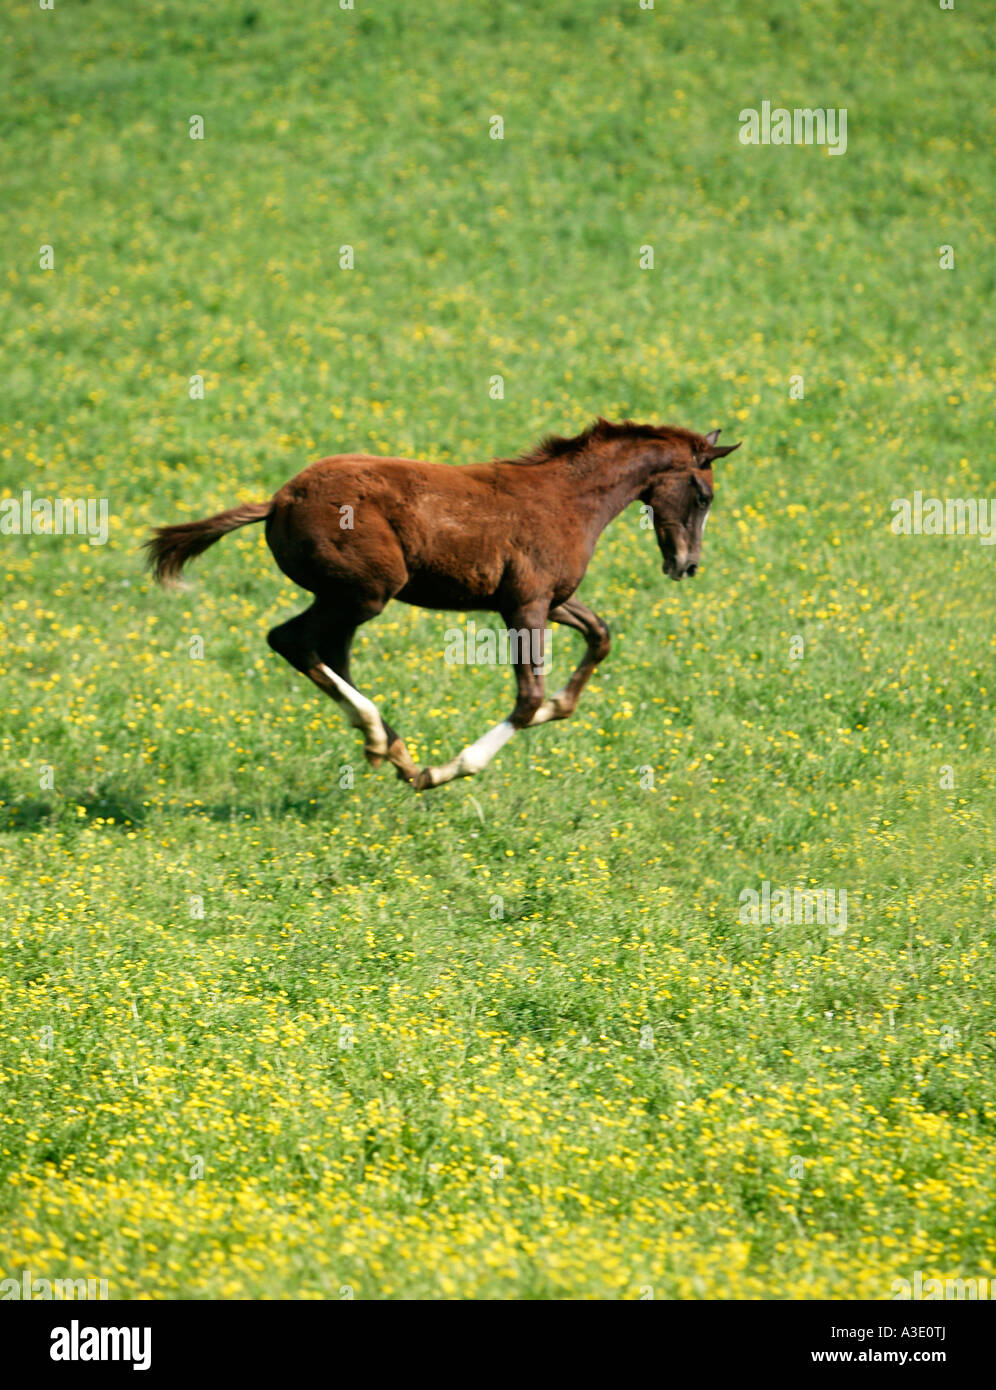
x: 529, y: 682
x: 574, y: 614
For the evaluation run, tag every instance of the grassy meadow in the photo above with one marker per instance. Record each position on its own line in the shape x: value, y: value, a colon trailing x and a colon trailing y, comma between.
x: 272, y: 1026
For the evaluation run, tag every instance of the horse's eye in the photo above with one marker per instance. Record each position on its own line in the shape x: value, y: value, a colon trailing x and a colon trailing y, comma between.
x: 704, y: 501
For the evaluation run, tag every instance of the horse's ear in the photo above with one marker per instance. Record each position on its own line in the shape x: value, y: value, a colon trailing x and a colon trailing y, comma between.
x: 717, y: 451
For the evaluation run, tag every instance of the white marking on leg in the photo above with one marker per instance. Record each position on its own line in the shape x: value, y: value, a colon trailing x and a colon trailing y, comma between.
x: 361, y: 712
x: 549, y: 709
x: 476, y: 755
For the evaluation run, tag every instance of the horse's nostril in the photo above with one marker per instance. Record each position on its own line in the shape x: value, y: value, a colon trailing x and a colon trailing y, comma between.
x: 690, y: 571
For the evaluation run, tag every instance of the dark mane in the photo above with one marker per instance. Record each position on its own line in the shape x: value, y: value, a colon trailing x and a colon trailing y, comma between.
x: 558, y: 446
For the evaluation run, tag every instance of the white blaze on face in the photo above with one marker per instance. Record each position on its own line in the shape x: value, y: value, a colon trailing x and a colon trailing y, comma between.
x: 698, y: 527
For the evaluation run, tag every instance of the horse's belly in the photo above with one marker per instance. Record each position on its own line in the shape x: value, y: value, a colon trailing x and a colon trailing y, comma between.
x: 429, y: 590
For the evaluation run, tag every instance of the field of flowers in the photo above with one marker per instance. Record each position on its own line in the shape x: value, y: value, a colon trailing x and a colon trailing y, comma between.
x: 271, y: 1026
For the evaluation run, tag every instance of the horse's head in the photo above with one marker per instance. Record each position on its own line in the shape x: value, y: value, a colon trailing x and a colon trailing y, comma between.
x: 680, y: 496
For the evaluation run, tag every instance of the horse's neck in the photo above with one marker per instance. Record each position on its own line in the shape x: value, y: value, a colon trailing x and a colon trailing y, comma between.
x: 610, y: 482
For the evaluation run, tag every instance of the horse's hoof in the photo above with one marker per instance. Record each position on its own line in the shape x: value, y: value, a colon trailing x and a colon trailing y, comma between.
x: 402, y: 760
x: 423, y: 782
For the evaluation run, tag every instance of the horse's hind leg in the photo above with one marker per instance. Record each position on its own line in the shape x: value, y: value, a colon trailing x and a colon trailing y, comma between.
x: 317, y: 644
x: 574, y: 614
x: 381, y: 740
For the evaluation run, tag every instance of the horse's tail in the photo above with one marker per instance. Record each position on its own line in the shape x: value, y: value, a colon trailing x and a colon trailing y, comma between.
x: 172, y: 546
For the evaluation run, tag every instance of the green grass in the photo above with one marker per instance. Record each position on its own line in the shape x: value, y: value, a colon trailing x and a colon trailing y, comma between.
x: 199, y: 1121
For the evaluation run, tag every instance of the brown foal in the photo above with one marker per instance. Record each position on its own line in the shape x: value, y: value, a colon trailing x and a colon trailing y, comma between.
x: 512, y: 537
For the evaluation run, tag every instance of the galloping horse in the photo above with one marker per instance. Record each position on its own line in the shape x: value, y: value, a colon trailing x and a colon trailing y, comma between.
x: 513, y: 537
